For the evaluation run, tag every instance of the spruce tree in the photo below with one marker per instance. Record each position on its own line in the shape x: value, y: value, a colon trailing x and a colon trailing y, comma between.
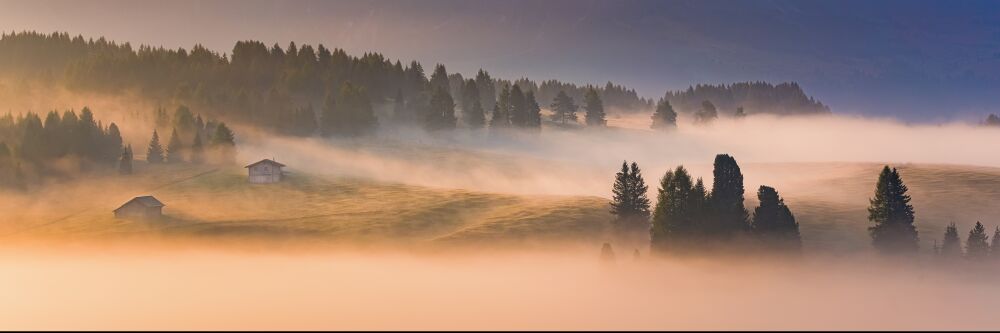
x: 951, y: 245
x: 563, y: 108
x: 595, y: 109
x: 730, y: 216
x: 439, y: 79
x: 664, y: 117
x: 773, y: 222
x: 487, y: 90
x: 175, y: 149
x: 977, y: 245
x: 472, y: 108
x: 673, y: 219
x: 630, y: 205
x: 154, y: 154
x: 224, y: 142
x: 892, y: 215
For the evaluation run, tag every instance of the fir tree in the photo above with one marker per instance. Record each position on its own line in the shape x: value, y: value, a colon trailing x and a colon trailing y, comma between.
x: 224, y: 142
x: 472, y: 108
x: 175, y: 149
x: 563, y: 108
x: 673, y: 218
x: 664, y: 117
x: 487, y: 90
x: 630, y: 205
x: 501, y: 111
x: 439, y: 79
x: 154, y: 154
x: 892, y: 215
x: 595, y: 109
x: 995, y: 244
x: 951, y: 246
x: 977, y: 245
x: 773, y: 222
x: 518, y: 107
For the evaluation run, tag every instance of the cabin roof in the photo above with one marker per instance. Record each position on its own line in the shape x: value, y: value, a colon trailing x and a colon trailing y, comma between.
x: 147, y: 200
x: 266, y: 160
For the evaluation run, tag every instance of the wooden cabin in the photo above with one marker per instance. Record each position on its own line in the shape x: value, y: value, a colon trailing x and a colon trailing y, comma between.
x: 144, y: 207
x: 265, y: 171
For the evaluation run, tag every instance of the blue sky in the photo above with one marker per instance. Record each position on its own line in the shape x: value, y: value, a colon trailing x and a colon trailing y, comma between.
x: 912, y: 60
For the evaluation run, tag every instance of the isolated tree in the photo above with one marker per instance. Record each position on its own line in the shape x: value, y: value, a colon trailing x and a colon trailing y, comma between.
x: 594, y: 107
x: 125, y: 162
x: 442, y: 111
x: 773, y: 222
x: 707, y: 113
x: 951, y: 245
x: 977, y: 245
x: 154, y: 154
x: 892, y: 215
x: 664, y: 117
x: 197, y: 150
x: 607, y: 253
x: 730, y: 215
x: 563, y: 108
x: 175, y: 149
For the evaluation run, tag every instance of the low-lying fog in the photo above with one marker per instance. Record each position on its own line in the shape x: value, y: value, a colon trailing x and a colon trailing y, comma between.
x: 832, y: 159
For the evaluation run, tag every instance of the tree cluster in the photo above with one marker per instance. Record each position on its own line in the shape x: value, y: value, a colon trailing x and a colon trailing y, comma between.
x: 783, y: 98
x: 978, y: 245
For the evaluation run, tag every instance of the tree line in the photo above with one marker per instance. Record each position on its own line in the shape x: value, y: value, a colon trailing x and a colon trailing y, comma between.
x: 755, y: 97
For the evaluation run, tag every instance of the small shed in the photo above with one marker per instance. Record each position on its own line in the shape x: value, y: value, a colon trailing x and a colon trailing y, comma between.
x: 144, y: 207
x: 265, y: 171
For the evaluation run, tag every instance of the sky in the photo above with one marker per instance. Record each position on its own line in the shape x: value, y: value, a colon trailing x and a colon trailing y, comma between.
x: 919, y: 61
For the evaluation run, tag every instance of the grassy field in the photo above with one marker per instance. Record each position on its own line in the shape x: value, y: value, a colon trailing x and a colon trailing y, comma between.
x: 828, y: 199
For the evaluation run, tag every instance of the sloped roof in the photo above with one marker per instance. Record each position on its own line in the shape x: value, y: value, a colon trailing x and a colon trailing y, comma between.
x: 266, y: 160
x: 147, y: 200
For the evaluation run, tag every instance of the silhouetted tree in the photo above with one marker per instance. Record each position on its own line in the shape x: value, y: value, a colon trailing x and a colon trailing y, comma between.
x: 951, y: 245
x: 595, y: 109
x: 518, y: 107
x: 664, y: 117
x: 739, y: 113
x: 707, y: 113
x: 174, y: 149
x: 563, y: 108
x: 501, y: 110
x: 439, y: 79
x: 154, y: 154
x: 892, y: 214
x: 730, y: 215
x: 630, y: 204
x: 125, y: 162
x: 977, y: 245
x: 487, y: 90
x: 472, y: 108
x: 992, y: 120
x: 534, y: 111
x: 995, y: 244
x: 442, y: 111
x: 773, y: 222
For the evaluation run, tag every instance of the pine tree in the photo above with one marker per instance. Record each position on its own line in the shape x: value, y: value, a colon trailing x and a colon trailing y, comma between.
x: 472, y: 108
x: 977, y: 245
x: 154, y: 154
x: 664, y: 117
x: 175, y: 149
x: 892, y: 214
x: 442, y: 111
x: 197, y: 150
x: 563, y: 108
x: 727, y: 197
x: 630, y: 205
x: 773, y: 222
x: 595, y: 109
x: 224, y: 142
x: 951, y: 246
x: 125, y: 163
x: 487, y: 90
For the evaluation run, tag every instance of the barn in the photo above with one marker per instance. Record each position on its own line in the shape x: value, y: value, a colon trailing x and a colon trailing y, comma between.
x: 265, y: 171
x: 144, y: 207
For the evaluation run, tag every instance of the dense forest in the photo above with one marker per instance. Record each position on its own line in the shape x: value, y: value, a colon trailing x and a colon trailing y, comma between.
x: 750, y: 97
x: 304, y: 90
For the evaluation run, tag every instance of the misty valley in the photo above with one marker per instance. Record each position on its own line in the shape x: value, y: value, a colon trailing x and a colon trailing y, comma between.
x: 298, y: 186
